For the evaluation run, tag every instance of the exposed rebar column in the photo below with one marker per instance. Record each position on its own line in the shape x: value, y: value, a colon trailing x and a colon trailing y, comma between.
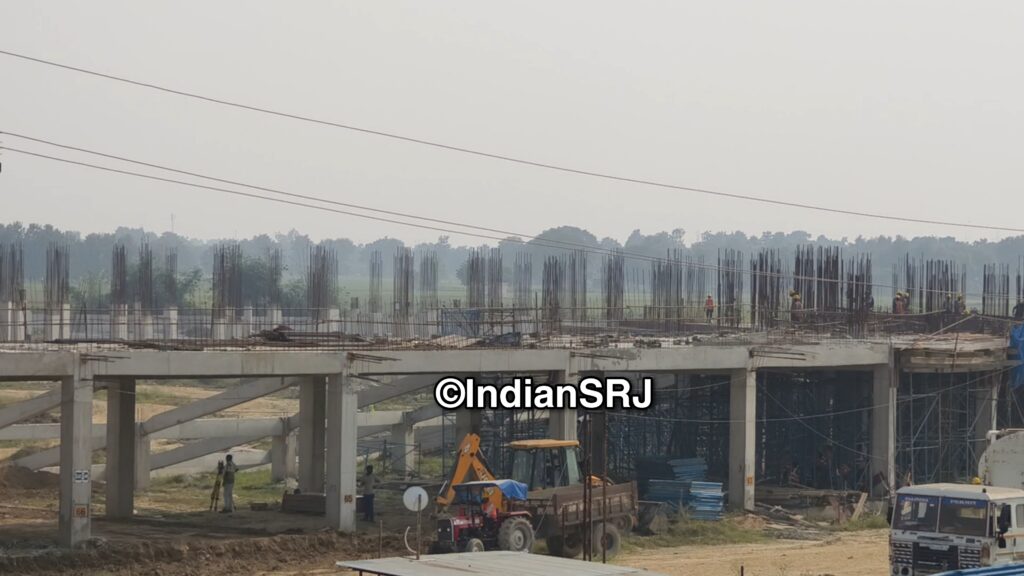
x: 552, y: 279
x: 119, y: 293
x: 321, y: 286
x: 428, y: 319
x: 476, y: 279
x: 144, y: 298
x: 614, y: 287
x: 273, y: 317
x: 12, y: 294
x: 494, y: 289
x: 56, y: 287
x: 404, y: 291
x: 170, y: 282
x: 227, y: 290
x: 765, y: 288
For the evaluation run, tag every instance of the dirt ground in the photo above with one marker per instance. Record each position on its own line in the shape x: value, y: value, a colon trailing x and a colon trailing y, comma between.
x: 173, y: 534
x: 862, y: 553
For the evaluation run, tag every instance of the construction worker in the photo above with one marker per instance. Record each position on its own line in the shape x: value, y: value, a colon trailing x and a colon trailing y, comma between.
x: 709, y: 308
x: 1018, y: 310
x: 230, y: 468
x: 369, y: 485
x: 961, y: 307
x: 796, y: 306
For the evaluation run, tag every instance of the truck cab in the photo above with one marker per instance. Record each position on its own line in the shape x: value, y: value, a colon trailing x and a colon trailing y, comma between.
x: 942, y: 527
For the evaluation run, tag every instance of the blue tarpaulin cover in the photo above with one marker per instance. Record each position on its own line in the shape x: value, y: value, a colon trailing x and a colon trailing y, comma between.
x: 510, y: 488
x: 1017, y: 343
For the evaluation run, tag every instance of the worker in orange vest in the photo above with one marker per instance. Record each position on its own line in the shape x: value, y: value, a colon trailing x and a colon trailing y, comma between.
x: 709, y: 308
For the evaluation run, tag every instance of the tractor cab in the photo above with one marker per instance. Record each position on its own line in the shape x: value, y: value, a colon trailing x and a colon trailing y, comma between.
x: 478, y: 524
x: 544, y: 464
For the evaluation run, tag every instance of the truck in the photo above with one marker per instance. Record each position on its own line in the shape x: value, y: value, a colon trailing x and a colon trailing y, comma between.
x: 945, y: 526
x: 555, y: 502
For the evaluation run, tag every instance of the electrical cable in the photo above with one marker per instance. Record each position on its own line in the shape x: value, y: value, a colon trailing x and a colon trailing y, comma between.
x: 506, y: 158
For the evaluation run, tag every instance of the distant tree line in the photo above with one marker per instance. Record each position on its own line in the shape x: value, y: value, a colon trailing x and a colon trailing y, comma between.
x: 91, y: 254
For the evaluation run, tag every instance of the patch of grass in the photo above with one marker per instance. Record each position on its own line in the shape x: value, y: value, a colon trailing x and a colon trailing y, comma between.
x: 193, y: 490
x: 684, y: 532
x: 165, y: 398
x: 866, y: 522
x: 430, y: 467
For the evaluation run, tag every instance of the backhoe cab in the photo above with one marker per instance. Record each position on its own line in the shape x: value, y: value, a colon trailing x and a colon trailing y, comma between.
x: 543, y: 464
x: 540, y: 464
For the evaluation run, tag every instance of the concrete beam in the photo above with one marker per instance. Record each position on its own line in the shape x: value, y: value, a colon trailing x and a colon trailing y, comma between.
x: 197, y: 449
x: 29, y: 408
x: 76, y: 452
x: 341, y: 454
x: 37, y: 365
x: 742, y: 435
x: 398, y: 386
x: 244, y: 392
x: 156, y: 364
x: 450, y: 362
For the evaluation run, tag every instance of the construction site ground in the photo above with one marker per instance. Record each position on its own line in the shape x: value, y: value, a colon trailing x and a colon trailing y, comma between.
x: 175, y: 534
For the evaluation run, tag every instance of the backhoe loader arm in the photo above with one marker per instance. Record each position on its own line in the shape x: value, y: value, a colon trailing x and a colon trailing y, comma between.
x: 469, y: 459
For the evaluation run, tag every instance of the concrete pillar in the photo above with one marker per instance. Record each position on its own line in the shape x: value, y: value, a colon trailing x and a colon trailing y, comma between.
x: 143, y: 453
x: 467, y: 422
x: 282, y: 456
x: 76, y: 457
x: 403, y: 451
x: 312, y: 402
x: 172, y: 323
x: 987, y: 412
x: 342, y: 405
x: 334, y: 320
x: 220, y: 328
x: 6, y: 320
x: 883, y: 428
x: 243, y: 328
x: 742, y: 433
x: 120, y: 466
x: 119, y: 322
x: 562, y: 423
x: 274, y: 318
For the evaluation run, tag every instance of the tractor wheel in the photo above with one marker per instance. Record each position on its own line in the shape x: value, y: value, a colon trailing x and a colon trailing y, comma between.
x: 607, y: 539
x: 515, y: 535
x: 474, y: 545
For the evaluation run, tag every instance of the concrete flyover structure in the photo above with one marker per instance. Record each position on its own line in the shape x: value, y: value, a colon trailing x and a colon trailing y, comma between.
x: 334, y: 384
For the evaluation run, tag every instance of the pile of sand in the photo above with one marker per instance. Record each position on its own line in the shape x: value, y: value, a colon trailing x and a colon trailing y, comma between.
x: 18, y: 478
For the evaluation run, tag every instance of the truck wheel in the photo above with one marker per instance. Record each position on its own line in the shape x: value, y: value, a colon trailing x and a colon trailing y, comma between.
x: 555, y: 545
x: 607, y: 539
x: 624, y: 523
x: 474, y: 545
x: 570, y: 546
x: 515, y: 535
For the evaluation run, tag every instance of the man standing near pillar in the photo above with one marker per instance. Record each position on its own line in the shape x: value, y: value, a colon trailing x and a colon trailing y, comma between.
x: 369, y: 484
x: 230, y: 468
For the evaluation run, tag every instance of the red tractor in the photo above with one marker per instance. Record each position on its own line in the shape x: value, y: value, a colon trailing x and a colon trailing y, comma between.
x: 478, y: 525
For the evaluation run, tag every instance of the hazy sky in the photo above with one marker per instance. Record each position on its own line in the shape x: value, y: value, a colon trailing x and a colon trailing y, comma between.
x: 909, y: 108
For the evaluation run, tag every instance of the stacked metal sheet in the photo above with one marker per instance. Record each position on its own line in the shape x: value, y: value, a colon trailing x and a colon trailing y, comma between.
x: 706, y: 500
x: 689, y: 469
x: 675, y: 493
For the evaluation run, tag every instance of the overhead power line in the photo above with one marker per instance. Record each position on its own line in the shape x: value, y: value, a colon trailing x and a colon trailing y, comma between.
x: 504, y: 157
x: 515, y: 237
